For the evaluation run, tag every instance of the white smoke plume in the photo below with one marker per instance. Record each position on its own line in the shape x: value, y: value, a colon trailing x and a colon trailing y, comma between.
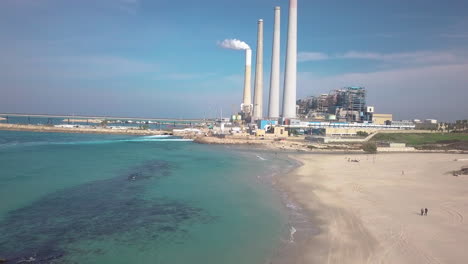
x: 234, y: 44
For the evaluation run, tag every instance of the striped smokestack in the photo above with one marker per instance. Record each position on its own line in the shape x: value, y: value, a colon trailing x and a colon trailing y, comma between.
x: 273, y: 106
x: 258, y: 96
x: 247, y: 102
x: 290, y: 76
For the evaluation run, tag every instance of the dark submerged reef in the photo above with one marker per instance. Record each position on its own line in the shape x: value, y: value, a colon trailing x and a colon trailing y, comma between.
x: 40, y: 232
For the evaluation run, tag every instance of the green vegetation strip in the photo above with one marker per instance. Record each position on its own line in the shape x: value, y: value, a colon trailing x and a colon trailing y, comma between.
x: 420, y: 139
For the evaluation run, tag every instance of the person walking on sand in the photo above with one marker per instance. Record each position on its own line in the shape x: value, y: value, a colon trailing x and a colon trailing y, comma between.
x: 425, y: 211
x: 422, y: 211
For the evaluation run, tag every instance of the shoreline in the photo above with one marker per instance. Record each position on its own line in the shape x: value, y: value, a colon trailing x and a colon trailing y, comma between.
x: 367, y: 212
x: 302, y: 223
x: 295, y: 145
x: 298, y: 225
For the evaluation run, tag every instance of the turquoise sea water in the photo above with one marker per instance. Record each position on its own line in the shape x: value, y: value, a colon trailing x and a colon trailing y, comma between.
x: 77, y: 198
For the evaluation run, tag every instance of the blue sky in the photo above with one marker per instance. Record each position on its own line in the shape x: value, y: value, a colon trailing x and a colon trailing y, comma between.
x: 159, y: 58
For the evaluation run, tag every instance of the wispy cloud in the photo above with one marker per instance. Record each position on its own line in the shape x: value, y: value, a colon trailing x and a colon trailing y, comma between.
x: 455, y: 35
x: 434, y: 91
x: 417, y: 57
x: 413, y: 57
x: 457, y: 30
x: 312, y: 56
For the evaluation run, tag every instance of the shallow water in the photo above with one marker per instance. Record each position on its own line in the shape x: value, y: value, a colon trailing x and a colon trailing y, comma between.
x: 76, y: 198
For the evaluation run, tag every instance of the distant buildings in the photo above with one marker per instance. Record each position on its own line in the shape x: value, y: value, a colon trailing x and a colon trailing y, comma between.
x: 401, y: 123
x: 428, y: 124
x: 347, y: 104
x: 382, y: 119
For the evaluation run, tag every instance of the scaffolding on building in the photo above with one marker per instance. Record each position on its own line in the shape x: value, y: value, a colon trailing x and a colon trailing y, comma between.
x: 348, y: 103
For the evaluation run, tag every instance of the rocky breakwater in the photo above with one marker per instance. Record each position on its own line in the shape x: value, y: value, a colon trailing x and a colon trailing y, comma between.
x: 87, y: 130
x: 228, y: 140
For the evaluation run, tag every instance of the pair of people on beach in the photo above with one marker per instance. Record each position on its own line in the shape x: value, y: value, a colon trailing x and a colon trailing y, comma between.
x: 424, y: 211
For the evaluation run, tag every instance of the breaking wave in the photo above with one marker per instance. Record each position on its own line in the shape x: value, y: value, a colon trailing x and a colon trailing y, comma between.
x: 159, y: 136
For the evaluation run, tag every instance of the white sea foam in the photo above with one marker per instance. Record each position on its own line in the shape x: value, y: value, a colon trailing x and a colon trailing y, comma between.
x: 158, y: 136
x: 292, y: 206
x: 292, y: 231
x: 162, y: 140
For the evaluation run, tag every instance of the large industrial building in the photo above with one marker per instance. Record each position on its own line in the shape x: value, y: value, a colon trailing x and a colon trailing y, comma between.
x: 342, y: 111
x: 348, y: 104
x: 343, y: 105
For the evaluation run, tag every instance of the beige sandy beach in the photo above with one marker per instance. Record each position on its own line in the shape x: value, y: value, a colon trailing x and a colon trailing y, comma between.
x: 369, y: 211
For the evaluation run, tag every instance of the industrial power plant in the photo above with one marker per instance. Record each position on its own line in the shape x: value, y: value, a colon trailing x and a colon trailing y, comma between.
x: 253, y: 111
x: 341, y: 115
x: 341, y: 112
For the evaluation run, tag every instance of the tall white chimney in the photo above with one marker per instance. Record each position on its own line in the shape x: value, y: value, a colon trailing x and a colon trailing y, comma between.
x: 290, y: 76
x: 273, y: 106
x: 258, y: 96
x: 246, y: 106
